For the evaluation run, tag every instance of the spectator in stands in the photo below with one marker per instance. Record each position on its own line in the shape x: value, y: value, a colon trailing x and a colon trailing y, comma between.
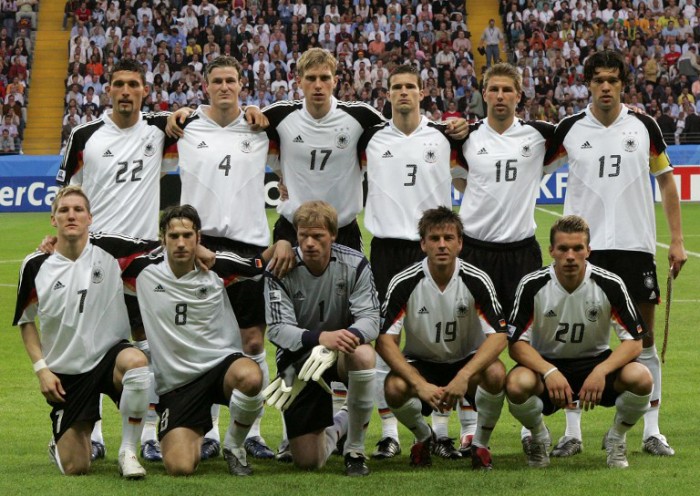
x: 7, y: 143
x: 691, y: 133
x: 25, y: 13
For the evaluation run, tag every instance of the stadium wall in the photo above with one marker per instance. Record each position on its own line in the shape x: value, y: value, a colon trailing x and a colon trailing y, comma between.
x: 27, y: 183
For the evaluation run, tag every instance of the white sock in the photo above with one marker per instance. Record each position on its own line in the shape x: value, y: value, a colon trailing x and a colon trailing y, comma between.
x: 409, y: 414
x: 360, y: 405
x: 573, y: 422
x: 336, y: 431
x: 529, y: 414
x: 488, y: 407
x: 244, y: 410
x: 467, y: 418
x: 650, y: 359
x: 390, y: 426
x: 630, y: 408
x: 261, y: 360
x: 340, y: 395
x: 151, y: 419
x: 133, y: 406
x: 440, y: 422
x: 96, y: 434
x: 214, y: 431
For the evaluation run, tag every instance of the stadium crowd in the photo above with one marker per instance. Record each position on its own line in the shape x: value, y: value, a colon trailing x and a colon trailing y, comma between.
x: 548, y: 41
x: 18, y: 22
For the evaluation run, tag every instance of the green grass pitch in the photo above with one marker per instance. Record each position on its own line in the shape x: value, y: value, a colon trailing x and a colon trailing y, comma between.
x: 25, y: 427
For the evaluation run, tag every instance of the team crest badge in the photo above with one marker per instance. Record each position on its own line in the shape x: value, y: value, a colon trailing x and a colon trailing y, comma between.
x: 430, y: 155
x: 246, y: 146
x: 342, y: 140
x: 526, y: 149
x: 462, y: 309
x: 149, y: 150
x: 648, y: 280
x: 630, y: 143
x: 341, y: 287
x: 202, y: 292
x: 97, y: 274
x: 592, y: 311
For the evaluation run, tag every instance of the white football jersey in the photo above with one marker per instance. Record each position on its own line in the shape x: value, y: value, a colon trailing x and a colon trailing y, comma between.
x: 559, y: 324
x: 223, y: 177
x: 189, y: 321
x: 442, y: 326
x: 608, y: 182
x: 318, y: 158
x: 503, y: 177
x: 120, y: 171
x: 80, y: 306
x: 406, y: 175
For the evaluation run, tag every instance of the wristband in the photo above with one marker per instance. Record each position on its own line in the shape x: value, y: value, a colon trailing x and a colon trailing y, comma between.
x: 39, y: 365
x: 548, y: 373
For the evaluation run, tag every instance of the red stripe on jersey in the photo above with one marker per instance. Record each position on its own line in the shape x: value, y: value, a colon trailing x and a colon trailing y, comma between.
x: 400, y: 315
x: 561, y: 152
x: 79, y: 164
x: 130, y: 283
x: 124, y: 262
x: 171, y: 151
x: 230, y: 279
x: 274, y: 148
x: 258, y: 263
x: 363, y: 158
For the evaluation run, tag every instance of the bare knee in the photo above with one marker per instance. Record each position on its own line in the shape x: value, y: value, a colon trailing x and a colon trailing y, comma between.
x: 396, y: 391
x: 253, y: 340
x: 75, y: 467
x: 636, y: 379
x: 521, y: 383
x: 493, y: 379
x: 246, y: 376
x: 364, y: 358
x: 131, y: 358
x: 177, y: 467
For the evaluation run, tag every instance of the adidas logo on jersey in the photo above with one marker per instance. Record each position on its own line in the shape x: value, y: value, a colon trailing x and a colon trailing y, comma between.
x: 298, y: 140
x: 387, y: 154
x: 58, y: 285
x: 108, y: 153
x: 586, y: 146
x: 423, y: 311
x: 202, y: 145
x: 299, y: 296
x: 551, y: 313
x: 159, y: 289
x: 482, y: 152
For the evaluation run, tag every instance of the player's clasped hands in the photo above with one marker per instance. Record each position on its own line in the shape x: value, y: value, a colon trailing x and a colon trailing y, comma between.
x: 454, y: 392
x: 431, y: 394
x: 558, y: 388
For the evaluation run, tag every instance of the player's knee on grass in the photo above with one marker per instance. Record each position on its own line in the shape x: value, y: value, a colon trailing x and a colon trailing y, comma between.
x: 396, y: 391
x: 74, y: 449
x: 521, y: 383
x: 635, y: 378
x: 309, y: 451
x: 244, y: 375
x: 181, y: 450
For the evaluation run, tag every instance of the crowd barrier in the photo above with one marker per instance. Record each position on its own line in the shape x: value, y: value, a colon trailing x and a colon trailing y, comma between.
x: 28, y: 183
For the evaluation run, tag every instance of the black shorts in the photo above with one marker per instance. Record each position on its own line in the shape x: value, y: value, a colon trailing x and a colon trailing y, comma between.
x: 190, y: 405
x: 247, y: 297
x: 83, y: 393
x: 636, y: 269
x: 389, y: 257
x: 505, y: 263
x: 349, y: 235
x: 312, y: 410
x: 576, y: 371
x: 439, y: 374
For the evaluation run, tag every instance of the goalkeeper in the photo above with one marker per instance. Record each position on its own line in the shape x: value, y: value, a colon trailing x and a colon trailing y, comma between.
x: 322, y: 316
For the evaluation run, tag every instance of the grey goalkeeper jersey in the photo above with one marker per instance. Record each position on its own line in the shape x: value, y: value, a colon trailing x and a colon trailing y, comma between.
x: 300, y: 306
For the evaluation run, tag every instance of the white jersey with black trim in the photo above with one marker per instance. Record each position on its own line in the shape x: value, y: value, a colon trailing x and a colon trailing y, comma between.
x: 442, y: 326
x: 608, y: 183
x: 223, y: 177
x: 559, y: 324
x: 120, y: 171
x: 503, y: 177
x: 189, y: 321
x: 300, y: 306
x: 318, y: 157
x: 80, y: 306
x: 406, y: 175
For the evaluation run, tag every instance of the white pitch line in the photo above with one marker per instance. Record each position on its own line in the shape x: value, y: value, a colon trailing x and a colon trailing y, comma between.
x: 8, y: 285
x: 11, y: 261
x: 661, y: 245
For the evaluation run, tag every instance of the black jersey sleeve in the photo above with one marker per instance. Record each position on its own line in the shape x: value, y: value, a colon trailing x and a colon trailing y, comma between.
x: 481, y: 287
x: 524, y: 305
x: 26, y: 288
x: 623, y: 309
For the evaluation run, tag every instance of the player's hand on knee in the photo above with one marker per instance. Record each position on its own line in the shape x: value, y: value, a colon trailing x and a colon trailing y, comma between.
x: 320, y: 360
x: 51, y: 386
x: 558, y: 389
x: 47, y: 244
x: 341, y: 340
x: 283, y: 390
x: 176, y: 120
x: 431, y: 394
x: 592, y: 390
x: 283, y: 259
